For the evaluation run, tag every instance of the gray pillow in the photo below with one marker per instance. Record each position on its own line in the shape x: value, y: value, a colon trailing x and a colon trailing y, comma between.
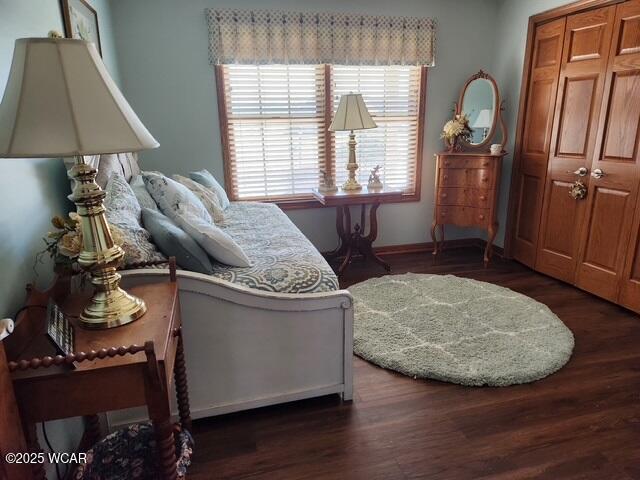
x: 203, y: 177
x: 144, y: 197
x: 175, y: 242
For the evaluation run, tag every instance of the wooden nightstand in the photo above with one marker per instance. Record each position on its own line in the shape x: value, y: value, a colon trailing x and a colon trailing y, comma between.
x: 122, y: 367
x: 356, y: 241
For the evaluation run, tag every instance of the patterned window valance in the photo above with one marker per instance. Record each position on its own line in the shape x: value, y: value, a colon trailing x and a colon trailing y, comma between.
x: 266, y: 36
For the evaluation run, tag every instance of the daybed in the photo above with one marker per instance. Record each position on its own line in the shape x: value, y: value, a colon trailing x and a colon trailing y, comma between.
x: 277, y: 331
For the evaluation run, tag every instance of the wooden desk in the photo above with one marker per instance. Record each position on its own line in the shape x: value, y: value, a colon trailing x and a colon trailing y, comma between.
x: 118, y: 368
x: 11, y: 435
x: 355, y: 241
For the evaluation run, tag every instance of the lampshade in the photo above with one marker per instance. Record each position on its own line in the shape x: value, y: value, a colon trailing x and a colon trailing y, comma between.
x: 484, y: 120
x: 60, y: 101
x: 352, y: 114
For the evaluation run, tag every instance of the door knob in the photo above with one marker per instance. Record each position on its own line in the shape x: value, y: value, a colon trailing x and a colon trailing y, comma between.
x: 582, y: 171
x: 597, y: 173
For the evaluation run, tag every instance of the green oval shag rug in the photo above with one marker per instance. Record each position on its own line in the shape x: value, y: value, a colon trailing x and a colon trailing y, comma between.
x: 457, y: 330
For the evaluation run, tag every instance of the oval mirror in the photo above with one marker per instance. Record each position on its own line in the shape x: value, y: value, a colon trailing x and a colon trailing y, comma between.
x: 479, y: 103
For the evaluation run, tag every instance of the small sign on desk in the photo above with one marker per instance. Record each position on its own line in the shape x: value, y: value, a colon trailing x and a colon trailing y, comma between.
x: 59, y: 329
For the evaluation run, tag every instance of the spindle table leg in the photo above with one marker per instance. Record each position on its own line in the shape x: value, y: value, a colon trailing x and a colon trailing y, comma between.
x: 156, y: 389
x: 31, y: 437
x: 92, y: 428
x: 182, y: 390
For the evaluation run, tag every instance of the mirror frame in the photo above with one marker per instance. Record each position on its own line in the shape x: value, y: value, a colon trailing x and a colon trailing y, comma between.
x: 497, y: 117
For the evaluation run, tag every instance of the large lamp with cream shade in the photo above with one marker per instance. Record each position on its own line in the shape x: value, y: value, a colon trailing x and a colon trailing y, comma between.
x: 61, y: 102
x: 352, y: 114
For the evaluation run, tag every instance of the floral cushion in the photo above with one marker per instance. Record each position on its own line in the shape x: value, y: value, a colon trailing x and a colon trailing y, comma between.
x: 208, y: 198
x: 131, y: 454
x: 173, y: 198
x: 123, y: 211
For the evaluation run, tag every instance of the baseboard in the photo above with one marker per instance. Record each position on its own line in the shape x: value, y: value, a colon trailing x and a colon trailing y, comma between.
x: 424, y: 247
x: 428, y: 247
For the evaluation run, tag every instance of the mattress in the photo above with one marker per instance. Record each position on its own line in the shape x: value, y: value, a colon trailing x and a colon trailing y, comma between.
x: 283, y: 259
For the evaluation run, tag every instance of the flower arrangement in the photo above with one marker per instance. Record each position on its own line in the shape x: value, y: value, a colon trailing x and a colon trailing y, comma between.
x: 456, y: 128
x: 64, y: 244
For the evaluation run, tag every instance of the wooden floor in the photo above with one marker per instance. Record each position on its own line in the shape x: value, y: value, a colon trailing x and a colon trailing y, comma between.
x: 581, y: 423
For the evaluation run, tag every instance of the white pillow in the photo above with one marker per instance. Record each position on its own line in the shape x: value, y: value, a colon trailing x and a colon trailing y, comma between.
x: 213, y: 240
x: 173, y: 198
x: 208, y: 198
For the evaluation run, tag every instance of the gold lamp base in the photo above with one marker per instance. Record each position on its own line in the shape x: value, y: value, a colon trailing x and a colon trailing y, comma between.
x: 352, y: 183
x: 110, y: 306
x: 112, y: 309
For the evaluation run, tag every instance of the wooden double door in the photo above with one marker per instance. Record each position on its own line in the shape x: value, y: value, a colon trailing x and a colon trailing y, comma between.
x: 582, y: 124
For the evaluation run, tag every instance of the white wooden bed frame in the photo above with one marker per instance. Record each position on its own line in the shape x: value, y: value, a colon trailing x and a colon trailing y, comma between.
x: 247, y: 348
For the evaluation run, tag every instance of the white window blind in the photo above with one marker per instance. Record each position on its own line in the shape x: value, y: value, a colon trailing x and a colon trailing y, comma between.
x: 392, y: 96
x: 276, y: 125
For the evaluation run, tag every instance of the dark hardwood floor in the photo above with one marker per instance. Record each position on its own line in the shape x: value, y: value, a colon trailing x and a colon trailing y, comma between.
x: 583, y: 422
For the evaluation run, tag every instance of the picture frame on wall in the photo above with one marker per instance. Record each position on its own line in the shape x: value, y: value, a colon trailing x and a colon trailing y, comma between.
x: 81, y: 21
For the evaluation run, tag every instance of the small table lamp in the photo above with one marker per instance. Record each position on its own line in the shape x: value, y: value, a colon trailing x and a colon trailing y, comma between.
x: 60, y: 102
x: 484, y: 121
x: 352, y: 115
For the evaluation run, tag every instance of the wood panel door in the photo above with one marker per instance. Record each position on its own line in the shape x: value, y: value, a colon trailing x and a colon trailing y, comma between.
x: 538, y: 120
x: 609, y: 258
x: 630, y: 284
x: 587, y: 40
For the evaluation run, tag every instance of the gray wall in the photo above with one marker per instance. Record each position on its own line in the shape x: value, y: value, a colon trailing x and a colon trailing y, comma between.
x: 511, y: 38
x: 162, y: 55
x: 32, y: 191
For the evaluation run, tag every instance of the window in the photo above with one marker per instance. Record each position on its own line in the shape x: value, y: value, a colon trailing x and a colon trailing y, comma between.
x: 392, y: 96
x: 274, y: 121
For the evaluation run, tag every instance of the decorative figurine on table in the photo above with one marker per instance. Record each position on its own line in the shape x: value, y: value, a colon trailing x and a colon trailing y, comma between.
x: 374, y: 179
x: 328, y: 185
